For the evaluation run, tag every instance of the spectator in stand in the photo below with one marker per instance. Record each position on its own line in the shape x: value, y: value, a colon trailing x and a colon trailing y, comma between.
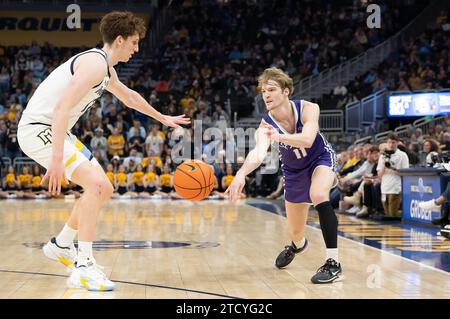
x: 430, y: 150
x: 12, y: 146
x: 99, y: 142
x: 116, y: 143
x: 132, y: 160
x: 154, y: 142
x: 136, y: 130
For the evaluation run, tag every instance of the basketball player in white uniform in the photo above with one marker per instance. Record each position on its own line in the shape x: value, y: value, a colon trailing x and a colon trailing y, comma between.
x: 43, y: 134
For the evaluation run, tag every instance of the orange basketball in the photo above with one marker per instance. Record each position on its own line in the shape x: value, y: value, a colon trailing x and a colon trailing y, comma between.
x: 193, y: 180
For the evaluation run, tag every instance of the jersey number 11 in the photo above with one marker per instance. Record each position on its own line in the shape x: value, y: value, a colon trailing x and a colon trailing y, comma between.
x: 297, y: 152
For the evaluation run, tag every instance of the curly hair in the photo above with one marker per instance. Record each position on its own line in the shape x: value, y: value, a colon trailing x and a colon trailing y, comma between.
x: 123, y: 23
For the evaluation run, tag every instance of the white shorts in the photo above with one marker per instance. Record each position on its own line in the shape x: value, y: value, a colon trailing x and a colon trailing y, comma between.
x: 35, y: 140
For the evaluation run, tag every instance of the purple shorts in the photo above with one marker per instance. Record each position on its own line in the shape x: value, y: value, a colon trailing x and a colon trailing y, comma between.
x: 298, y: 182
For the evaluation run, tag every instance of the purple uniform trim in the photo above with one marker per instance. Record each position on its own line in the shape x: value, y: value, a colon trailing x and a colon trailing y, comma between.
x: 298, y: 164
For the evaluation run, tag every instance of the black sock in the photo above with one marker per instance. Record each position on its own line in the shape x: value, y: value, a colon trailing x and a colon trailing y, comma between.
x: 328, y: 224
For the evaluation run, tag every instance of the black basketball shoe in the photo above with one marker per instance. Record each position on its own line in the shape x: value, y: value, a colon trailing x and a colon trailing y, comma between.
x: 328, y: 272
x: 288, y: 254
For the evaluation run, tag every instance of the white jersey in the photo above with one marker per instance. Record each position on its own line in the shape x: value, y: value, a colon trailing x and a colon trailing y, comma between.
x: 41, y: 106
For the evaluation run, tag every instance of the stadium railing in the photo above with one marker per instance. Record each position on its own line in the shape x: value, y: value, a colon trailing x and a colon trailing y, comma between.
x: 331, y: 121
x: 20, y: 162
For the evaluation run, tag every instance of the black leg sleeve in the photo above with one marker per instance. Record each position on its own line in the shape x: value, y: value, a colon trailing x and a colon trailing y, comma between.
x: 328, y: 224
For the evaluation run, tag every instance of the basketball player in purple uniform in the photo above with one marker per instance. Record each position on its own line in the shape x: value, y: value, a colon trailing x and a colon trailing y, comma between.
x: 308, y: 165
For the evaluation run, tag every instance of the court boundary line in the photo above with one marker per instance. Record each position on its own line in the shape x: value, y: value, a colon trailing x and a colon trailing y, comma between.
x: 365, y: 245
x: 127, y: 283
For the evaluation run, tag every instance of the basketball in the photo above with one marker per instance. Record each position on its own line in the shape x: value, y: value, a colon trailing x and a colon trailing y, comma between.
x: 193, y: 180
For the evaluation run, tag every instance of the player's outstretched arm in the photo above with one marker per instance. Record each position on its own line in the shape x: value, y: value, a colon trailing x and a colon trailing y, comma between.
x: 305, y: 139
x: 89, y: 70
x: 254, y: 159
x: 134, y: 100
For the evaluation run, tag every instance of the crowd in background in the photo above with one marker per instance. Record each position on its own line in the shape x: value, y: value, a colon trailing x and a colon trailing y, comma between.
x: 420, y: 64
x: 205, y: 62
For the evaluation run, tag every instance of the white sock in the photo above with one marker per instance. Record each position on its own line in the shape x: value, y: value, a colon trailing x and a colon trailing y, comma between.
x: 66, y: 236
x: 333, y: 254
x: 84, y: 252
x: 299, y: 244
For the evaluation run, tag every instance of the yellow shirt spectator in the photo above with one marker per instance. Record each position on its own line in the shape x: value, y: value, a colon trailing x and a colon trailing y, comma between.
x: 138, y: 178
x: 116, y: 144
x: 121, y: 178
x: 25, y: 180
x: 10, y: 179
x: 166, y: 180
x: 157, y: 159
x: 36, y: 181
x: 151, y: 177
x: 110, y: 176
x: 228, y: 180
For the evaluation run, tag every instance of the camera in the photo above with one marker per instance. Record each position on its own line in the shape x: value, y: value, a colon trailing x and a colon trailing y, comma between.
x: 443, y: 157
x: 387, y: 158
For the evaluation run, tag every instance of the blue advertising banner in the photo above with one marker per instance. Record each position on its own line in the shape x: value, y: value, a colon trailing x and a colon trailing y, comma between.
x: 418, y: 189
x: 418, y: 104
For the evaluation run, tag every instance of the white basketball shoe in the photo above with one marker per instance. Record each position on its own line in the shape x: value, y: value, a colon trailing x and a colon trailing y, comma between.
x: 90, y: 276
x: 65, y: 255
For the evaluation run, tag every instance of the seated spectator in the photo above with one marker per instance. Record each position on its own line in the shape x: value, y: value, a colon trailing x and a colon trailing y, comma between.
x: 340, y: 90
x: 166, y: 180
x: 137, y: 180
x: 11, y: 182
x: 152, y: 183
x: 121, y: 182
x: 154, y: 142
x: 12, y: 149
x: 136, y: 130
x: 99, y: 142
x: 110, y: 174
x: 116, y: 143
x: 152, y: 159
x: 430, y: 149
x: 137, y: 142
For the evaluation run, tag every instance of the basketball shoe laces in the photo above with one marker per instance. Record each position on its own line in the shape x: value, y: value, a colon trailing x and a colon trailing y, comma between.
x: 289, y: 250
x: 97, y: 269
x: 326, y: 268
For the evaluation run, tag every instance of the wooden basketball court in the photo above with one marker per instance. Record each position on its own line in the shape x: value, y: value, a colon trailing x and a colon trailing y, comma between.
x: 211, y: 249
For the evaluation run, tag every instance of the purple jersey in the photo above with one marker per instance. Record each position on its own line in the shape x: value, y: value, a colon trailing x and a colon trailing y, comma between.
x: 298, y: 164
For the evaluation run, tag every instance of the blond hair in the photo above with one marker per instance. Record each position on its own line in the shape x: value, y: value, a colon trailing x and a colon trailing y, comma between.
x: 277, y: 75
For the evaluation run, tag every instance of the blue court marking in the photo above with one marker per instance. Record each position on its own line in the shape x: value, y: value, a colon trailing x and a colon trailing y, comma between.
x: 412, y: 241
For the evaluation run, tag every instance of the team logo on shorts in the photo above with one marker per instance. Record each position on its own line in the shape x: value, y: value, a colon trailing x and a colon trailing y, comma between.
x: 46, y: 136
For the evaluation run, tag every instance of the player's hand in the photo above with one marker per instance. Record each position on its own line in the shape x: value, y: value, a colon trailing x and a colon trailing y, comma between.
x: 235, y: 189
x: 175, y: 121
x: 271, y: 133
x: 53, y: 176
